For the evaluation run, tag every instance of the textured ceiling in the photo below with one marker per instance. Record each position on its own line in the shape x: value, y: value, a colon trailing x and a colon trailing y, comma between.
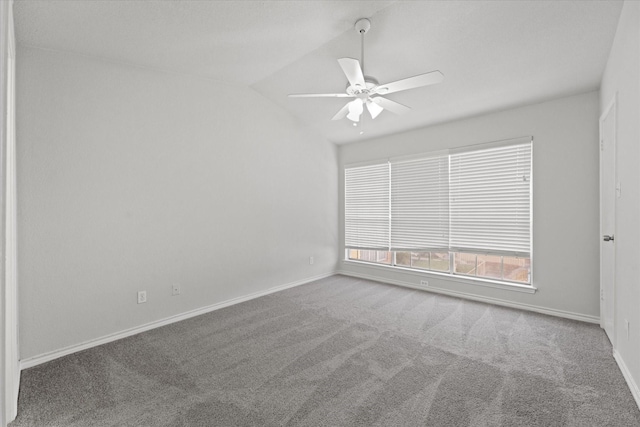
x: 494, y: 54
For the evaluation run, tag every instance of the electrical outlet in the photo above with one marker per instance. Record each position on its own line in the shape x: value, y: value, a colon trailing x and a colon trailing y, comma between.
x: 142, y: 297
x: 424, y: 282
x: 310, y: 260
x: 175, y: 289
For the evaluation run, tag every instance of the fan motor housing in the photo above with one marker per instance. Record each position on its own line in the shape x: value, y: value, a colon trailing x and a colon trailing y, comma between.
x: 371, y: 84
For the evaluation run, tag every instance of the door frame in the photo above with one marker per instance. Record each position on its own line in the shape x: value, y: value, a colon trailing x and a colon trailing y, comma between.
x: 9, y: 363
x: 611, y: 106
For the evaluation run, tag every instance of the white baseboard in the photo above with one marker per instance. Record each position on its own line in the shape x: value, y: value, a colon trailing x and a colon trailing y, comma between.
x: 46, y: 357
x: 489, y: 300
x: 43, y: 358
x: 633, y: 386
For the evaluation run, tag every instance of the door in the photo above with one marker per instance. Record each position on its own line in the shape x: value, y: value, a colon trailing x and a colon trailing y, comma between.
x: 609, y: 191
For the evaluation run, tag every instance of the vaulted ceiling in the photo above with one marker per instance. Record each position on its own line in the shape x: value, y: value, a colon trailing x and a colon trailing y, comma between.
x: 493, y: 54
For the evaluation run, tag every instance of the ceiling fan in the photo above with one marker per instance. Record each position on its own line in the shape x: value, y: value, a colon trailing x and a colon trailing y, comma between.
x: 366, y: 90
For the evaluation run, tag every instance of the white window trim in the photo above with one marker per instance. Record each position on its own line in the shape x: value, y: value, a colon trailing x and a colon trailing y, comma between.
x: 448, y: 277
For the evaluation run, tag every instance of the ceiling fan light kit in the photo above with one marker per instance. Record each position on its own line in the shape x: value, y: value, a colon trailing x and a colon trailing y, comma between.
x: 366, y: 90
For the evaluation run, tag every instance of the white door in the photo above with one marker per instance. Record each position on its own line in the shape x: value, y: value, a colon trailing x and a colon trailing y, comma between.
x: 608, y: 195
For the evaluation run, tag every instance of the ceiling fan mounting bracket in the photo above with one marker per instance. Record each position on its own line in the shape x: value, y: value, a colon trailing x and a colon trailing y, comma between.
x: 363, y: 25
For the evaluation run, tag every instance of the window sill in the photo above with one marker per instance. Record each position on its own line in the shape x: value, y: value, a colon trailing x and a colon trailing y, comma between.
x: 476, y: 281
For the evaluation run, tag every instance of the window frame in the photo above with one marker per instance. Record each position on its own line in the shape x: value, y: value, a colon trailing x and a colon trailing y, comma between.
x: 501, y: 282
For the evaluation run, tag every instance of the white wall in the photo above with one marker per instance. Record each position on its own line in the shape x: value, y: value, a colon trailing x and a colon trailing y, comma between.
x: 622, y: 76
x: 132, y: 179
x: 565, y: 198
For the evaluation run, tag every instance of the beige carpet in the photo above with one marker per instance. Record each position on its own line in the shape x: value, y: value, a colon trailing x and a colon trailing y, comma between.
x: 340, y: 351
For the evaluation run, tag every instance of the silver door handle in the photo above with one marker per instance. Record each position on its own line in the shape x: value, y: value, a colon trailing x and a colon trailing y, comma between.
x: 607, y: 238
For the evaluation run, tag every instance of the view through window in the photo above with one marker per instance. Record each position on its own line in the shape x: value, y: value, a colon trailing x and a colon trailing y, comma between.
x: 497, y: 267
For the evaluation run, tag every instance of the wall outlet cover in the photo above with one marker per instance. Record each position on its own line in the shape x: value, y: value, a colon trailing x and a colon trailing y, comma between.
x: 142, y: 297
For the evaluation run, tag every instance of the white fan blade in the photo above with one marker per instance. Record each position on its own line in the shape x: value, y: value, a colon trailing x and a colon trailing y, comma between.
x: 412, y: 82
x: 320, y: 95
x: 374, y: 109
x: 355, y: 110
x: 343, y: 112
x: 353, y: 71
x: 390, y: 105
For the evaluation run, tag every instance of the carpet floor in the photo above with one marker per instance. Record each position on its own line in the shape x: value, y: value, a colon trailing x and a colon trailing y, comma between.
x: 340, y: 352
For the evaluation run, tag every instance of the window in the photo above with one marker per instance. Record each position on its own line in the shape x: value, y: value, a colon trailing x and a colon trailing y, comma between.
x: 465, y: 212
x: 490, y: 200
x: 378, y: 257
x: 367, y: 207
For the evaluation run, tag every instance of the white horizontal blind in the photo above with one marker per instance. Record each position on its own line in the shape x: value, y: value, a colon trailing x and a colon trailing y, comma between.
x: 366, y: 212
x: 490, y: 200
x: 420, y: 204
